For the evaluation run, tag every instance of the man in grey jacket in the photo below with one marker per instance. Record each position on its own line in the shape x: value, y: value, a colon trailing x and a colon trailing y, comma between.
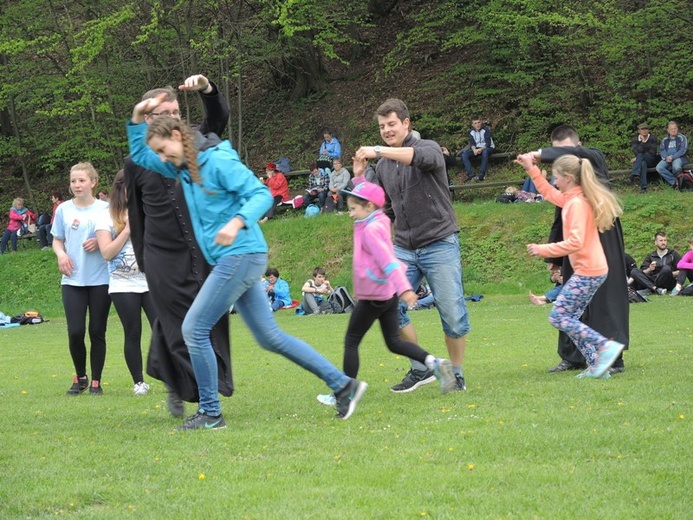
x: 412, y: 173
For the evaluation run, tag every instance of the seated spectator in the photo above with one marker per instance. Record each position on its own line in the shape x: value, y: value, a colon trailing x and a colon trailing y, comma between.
x: 277, y: 290
x: 330, y: 149
x: 19, y: 217
x: 339, y: 180
x: 685, y: 267
x: 658, y: 270
x: 645, y: 148
x: 44, y: 228
x: 278, y: 186
x: 673, y: 152
x: 557, y: 278
x: 318, y: 187
x: 480, y: 143
x: 450, y: 162
x: 103, y: 195
x: 425, y: 297
x: 316, y: 292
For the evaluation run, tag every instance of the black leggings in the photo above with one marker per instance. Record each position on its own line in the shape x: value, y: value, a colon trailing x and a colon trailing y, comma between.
x: 129, y: 307
x: 362, y: 318
x: 76, y: 301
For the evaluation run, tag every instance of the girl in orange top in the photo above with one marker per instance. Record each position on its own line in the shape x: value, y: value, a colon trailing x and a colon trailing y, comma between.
x: 587, y: 208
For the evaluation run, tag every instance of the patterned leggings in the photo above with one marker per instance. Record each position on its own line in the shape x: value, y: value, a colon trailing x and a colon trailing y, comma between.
x: 569, y: 306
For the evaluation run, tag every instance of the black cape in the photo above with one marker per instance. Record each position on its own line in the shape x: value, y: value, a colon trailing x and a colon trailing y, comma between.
x: 167, y: 252
x: 608, y: 312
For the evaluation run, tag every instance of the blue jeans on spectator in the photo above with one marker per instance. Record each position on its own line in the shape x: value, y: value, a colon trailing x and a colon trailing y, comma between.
x: 468, y: 154
x: 553, y: 293
x: 10, y: 236
x: 643, y: 161
x: 440, y: 263
x: 235, y: 280
x: 669, y: 171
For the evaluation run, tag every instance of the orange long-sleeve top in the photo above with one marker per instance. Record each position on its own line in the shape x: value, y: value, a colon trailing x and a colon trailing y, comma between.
x: 580, y: 234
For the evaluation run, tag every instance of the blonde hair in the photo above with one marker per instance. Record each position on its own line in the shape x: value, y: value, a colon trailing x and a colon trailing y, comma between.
x: 605, y: 205
x: 163, y: 128
x: 89, y: 169
x: 18, y: 201
x: 118, y: 207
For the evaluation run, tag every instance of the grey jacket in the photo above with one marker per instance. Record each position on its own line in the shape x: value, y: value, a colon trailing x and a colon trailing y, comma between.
x: 417, y: 197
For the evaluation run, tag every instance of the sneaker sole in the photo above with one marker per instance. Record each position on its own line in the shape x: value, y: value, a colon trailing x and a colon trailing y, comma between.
x: 360, y: 390
x: 444, y: 373
x: 415, y: 386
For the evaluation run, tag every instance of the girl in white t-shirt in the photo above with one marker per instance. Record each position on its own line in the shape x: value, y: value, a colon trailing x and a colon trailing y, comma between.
x: 127, y: 285
x: 85, y: 277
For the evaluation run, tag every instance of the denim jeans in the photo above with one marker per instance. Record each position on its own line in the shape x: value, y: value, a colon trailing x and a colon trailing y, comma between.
x: 440, y: 263
x: 467, y: 154
x: 235, y: 280
x: 643, y: 161
x: 669, y: 171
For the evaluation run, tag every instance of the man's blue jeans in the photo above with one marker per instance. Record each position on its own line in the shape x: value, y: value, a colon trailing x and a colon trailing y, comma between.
x: 643, y: 161
x: 235, y: 280
x: 440, y: 263
x: 468, y: 154
x: 669, y: 171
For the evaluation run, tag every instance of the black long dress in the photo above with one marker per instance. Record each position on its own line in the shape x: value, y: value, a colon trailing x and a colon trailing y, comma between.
x: 166, y: 250
x: 608, y: 312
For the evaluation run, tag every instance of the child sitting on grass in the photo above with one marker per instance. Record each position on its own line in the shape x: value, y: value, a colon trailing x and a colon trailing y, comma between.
x: 315, y: 292
x: 277, y: 290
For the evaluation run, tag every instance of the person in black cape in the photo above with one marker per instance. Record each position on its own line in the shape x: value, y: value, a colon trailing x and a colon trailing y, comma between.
x: 608, y: 312
x: 167, y: 252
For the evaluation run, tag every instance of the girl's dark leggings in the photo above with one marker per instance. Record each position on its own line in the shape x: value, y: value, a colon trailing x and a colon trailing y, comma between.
x: 76, y: 301
x: 129, y: 307
x: 362, y: 318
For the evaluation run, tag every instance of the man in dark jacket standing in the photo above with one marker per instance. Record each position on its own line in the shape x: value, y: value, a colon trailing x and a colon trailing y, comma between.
x: 167, y: 252
x: 608, y: 311
x: 412, y: 173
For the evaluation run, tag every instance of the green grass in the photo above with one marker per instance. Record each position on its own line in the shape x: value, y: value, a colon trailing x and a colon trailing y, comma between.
x: 518, y: 443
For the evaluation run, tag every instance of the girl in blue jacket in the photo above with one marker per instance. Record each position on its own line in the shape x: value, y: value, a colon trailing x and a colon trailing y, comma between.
x: 226, y: 201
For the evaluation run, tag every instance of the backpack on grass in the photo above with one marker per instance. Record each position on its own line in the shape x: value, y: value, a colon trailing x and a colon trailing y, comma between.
x: 684, y: 181
x: 341, y: 301
x: 28, y: 318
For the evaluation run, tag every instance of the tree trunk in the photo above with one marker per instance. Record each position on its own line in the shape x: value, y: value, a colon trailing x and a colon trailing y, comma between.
x: 17, y: 136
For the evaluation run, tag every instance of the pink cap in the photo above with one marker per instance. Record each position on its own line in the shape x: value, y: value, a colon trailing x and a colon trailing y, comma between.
x: 368, y: 191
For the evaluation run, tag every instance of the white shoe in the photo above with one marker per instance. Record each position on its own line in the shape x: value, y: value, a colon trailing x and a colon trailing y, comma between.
x: 141, y: 388
x: 327, y: 399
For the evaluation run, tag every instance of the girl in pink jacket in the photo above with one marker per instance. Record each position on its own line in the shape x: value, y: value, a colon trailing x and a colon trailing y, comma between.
x: 587, y: 208
x: 380, y: 281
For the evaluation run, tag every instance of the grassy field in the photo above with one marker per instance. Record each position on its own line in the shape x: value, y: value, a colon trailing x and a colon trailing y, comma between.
x: 519, y: 443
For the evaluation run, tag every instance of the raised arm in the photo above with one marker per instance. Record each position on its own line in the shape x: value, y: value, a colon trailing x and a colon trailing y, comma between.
x: 215, y: 105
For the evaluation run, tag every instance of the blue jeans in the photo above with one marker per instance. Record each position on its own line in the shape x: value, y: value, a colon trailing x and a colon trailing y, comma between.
x: 8, y: 236
x: 235, y: 280
x: 643, y: 161
x: 669, y: 171
x: 440, y: 263
x: 468, y: 154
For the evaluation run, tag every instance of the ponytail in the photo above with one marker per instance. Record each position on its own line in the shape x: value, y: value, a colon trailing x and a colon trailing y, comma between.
x: 163, y: 127
x: 605, y: 205
x: 118, y: 205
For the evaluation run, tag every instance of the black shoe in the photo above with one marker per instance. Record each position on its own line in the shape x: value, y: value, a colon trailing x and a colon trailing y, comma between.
x: 95, y: 388
x: 617, y: 370
x: 413, y: 380
x: 459, y: 382
x: 481, y: 178
x: 564, y: 366
x: 79, y: 385
x: 202, y: 421
x: 349, y: 397
x: 175, y: 405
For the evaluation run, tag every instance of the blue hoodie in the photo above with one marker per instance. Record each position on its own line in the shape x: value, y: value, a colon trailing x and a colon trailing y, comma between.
x: 229, y: 189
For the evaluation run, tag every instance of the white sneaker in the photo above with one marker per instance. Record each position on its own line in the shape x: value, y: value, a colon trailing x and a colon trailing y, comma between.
x: 327, y: 399
x: 141, y: 388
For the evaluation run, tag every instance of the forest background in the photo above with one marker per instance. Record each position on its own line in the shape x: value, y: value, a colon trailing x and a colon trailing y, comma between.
x: 71, y: 72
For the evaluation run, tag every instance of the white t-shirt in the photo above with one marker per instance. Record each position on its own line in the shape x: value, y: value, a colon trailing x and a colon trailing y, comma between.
x: 125, y: 274
x: 74, y: 225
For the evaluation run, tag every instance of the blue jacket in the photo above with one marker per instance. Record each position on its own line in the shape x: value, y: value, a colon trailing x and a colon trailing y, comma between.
x: 485, y: 131
x: 681, y: 147
x: 229, y: 189
x: 281, y: 291
x: 332, y: 149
